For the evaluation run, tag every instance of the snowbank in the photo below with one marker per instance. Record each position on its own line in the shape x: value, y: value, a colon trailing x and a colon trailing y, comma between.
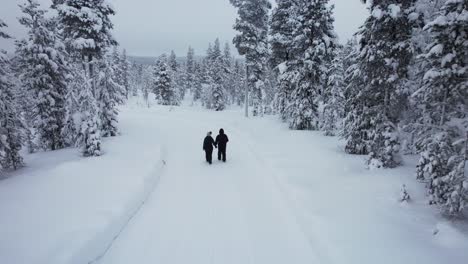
x: 64, y: 208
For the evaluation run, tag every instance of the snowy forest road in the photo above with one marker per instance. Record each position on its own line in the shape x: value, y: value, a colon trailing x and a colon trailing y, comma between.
x: 230, y: 212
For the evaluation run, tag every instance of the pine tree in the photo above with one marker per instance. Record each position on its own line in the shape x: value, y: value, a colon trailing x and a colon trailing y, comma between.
x: 334, y: 96
x: 190, y: 74
x: 356, y: 125
x: 443, y: 121
x: 111, y: 94
x: 125, y: 68
x: 239, y: 77
x: 198, y: 82
x: 163, y: 86
x: 217, y: 77
x: 87, y: 30
x: 313, y: 44
x: 228, y: 82
x: 44, y: 72
x: 11, y: 126
x: 282, y: 26
x: 89, y: 135
x: 251, y: 41
x: 73, y: 117
x: 386, y: 52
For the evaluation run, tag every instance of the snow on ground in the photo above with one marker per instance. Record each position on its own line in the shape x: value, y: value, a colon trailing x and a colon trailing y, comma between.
x: 282, y: 197
x: 63, y: 208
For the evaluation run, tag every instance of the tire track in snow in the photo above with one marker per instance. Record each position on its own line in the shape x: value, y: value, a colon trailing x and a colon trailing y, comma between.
x: 316, y: 246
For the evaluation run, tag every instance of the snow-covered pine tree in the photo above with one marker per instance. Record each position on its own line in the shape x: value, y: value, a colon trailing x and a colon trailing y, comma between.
x: 334, y: 95
x: 73, y: 117
x: 444, y: 116
x: 44, y: 71
x: 89, y: 134
x: 111, y: 94
x: 11, y: 126
x: 177, y: 77
x: 190, y: 74
x: 239, y: 82
x: 228, y: 63
x: 386, y: 51
x: 125, y: 68
x: 87, y: 29
x: 252, y: 25
x: 119, y: 65
x: 197, y: 89
x: 282, y: 25
x: 217, y: 77
x: 355, y: 125
x: 172, y: 62
x: 163, y: 86
x: 313, y: 44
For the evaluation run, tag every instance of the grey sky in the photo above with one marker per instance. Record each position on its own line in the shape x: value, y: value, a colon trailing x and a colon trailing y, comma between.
x: 152, y: 27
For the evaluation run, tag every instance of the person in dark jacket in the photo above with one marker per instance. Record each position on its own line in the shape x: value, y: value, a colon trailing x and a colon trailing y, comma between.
x: 221, y: 141
x: 208, y: 144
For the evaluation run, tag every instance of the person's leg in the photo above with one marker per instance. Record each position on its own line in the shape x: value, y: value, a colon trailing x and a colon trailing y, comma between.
x: 210, y: 157
x: 224, y: 155
x: 207, y: 156
x: 220, y: 152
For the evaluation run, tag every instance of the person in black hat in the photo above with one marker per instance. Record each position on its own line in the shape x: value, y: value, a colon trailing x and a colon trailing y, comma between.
x: 208, y: 144
x: 221, y: 141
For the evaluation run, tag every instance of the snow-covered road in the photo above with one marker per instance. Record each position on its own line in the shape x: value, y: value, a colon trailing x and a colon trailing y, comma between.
x: 224, y: 213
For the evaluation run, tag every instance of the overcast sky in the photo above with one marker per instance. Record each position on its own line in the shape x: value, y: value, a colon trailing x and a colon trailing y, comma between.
x: 152, y: 27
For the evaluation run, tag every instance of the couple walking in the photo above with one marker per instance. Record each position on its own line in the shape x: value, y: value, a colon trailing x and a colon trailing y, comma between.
x: 220, y: 143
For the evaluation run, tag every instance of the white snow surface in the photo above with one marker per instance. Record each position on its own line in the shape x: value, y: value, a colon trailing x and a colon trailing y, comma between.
x: 282, y: 197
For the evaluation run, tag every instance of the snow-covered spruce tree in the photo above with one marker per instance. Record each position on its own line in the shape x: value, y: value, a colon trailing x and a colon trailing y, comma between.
x: 86, y: 28
x: 444, y: 116
x: 386, y: 51
x: 116, y: 60
x: 239, y: 82
x: 177, y: 76
x: 334, y: 96
x: 356, y: 125
x: 111, y: 94
x: 197, y: 89
x: 89, y: 134
x: 282, y: 26
x: 163, y: 86
x: 313, y: 43
x: 125, y: 68
x: 217, y: 72
x: 73, y: 117
x: 228, y: 64
x: 252, y: 25
x: 44, y: 71
x: 190, y: 74
x: 11, y: 126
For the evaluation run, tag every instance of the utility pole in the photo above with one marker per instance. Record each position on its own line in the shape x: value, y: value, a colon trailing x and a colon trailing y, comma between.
x: 247, y: 92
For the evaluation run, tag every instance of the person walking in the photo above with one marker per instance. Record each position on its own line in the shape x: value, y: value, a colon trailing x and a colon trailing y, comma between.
x: 221, y: 142
x: 208, y: 144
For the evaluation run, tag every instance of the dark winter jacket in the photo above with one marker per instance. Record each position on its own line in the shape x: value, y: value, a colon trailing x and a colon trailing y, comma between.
x: 208, y: 143
x: 221, y: 140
